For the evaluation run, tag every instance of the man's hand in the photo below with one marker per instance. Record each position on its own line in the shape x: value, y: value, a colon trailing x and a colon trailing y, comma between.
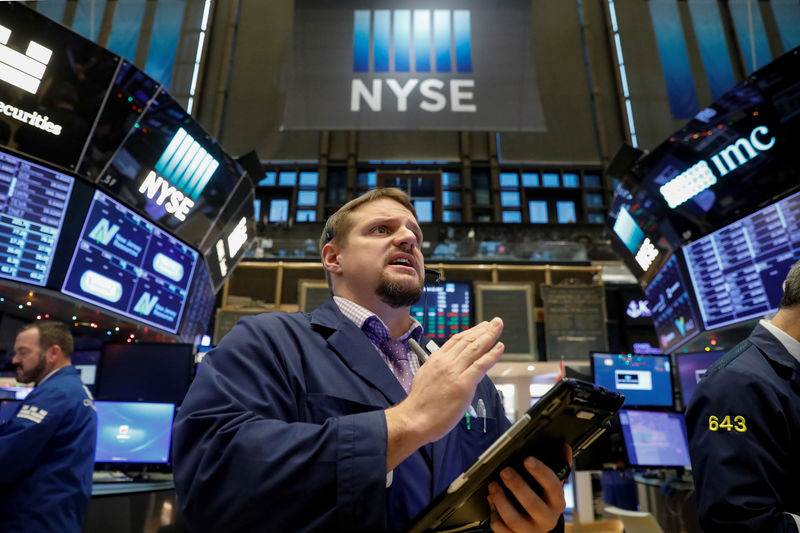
x: 442, y: 390
x: 542, y: 511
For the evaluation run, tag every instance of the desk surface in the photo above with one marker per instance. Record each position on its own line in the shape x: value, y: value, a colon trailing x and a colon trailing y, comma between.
x: 129, y: 487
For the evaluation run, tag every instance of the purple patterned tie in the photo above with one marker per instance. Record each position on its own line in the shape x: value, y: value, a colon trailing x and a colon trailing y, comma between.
x: 394, y: 352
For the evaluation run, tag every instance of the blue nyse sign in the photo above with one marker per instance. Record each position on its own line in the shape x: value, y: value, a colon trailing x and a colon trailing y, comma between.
x: 445, y: 65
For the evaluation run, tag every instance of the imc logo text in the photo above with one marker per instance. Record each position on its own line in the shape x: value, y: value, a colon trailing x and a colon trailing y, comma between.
x: 421, y: 43
x: 181, y: 174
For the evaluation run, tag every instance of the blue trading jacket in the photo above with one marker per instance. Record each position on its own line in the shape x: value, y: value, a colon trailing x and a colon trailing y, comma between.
x: 47, y: 458
x: 745, y: 459
x: 283, y: 430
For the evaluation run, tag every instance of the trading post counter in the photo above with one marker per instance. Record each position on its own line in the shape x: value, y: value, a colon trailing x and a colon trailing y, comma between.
x: 134, y: 507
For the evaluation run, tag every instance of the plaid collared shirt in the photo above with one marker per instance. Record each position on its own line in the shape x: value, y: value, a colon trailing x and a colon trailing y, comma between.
x: 358, y: 315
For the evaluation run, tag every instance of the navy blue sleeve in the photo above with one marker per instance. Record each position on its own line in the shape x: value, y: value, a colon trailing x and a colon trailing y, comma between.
x: 740, y: 445
x: 246, y: 459
x: 23, y: 438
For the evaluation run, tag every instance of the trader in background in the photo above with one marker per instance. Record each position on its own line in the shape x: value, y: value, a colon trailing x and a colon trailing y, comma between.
x: 47, y: 449
x: 744, y: 428
x: 310, y: 421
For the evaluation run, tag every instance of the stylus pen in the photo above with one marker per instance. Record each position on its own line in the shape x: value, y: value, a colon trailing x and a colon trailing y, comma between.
x: 417, y: 349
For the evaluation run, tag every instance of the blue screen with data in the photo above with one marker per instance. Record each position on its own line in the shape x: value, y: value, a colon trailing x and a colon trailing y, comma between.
x: 645, y: 380
x: 126, y: 264
x: 655, y: 439
x: 133, y: 432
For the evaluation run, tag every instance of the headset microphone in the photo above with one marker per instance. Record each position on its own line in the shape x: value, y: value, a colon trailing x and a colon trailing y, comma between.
x: 432, y: 275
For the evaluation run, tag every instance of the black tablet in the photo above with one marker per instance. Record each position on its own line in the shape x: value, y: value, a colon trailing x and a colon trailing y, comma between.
x: 572, y: 412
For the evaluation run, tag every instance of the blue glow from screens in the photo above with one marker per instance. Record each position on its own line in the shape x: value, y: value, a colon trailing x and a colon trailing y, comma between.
x: 451, y: 179
x: 594, y: 199
x: 268, y: 180
x: 550, y: 179
x: 512, y: 216
x: 450, y: 198
x: 307, y: 198
x: 645, y: 380
x: 591, y: 180
x: 287, y: 178
x: 571, y: 180
x: 538, y: 211
x: 309, y: 179
x: 509, y: 179
x: 674, y: 316
x: 655, y: 439
x: 424, y: 210
x: 370, y: 179
x: 530, y: 179
x: 306, y: 215
x: 449, y: 309
x: 597, y: 218
x: 509, y: 199
x: 279, y: 210
x: 33, y: 203
x: 566, y: 212
x: 257, y: 209
x: 692, y: 367
x: 133, y: 432
x: 628, y: 231
x: 753, y: 254
x: 452, y: 216
x: 128, y: 265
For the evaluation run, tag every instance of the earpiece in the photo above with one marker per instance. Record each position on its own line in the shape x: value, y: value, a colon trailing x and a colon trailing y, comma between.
x: 432, y: 275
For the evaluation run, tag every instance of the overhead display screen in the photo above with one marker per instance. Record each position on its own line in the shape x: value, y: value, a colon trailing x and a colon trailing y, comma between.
x: 674, y: 313
x: 52, y: 85
x: 128, y: 265
x: 738, y: 271
x: 170, y: 169
x: 33, y: 200
x: 447, y: 310
x: 733, y: 157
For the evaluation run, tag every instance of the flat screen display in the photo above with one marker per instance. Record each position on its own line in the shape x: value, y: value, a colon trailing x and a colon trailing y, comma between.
x: 52, y: 85
x: 673, y: 309
x: 33, y: 202
x: 655, y: 439
x: 692, y: 367
x: 447, y: 309
x: 85, y: 361
x: 149, y: 372
x: 170, y: 169
x: 133, y: 432
x: 645, y: 380
x: 125, y: 264
x: 738, y: 271
x: 733, y: 157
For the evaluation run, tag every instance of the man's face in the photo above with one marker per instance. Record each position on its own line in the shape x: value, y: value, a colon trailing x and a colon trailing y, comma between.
x: 28, y: 357
x: 382, y: 255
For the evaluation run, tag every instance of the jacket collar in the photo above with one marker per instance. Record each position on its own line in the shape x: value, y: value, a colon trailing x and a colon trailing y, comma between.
x: 775, y: 352
x: 355, y: 349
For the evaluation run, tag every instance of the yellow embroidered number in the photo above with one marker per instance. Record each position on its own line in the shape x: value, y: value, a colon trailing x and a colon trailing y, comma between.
x: 739, y: 423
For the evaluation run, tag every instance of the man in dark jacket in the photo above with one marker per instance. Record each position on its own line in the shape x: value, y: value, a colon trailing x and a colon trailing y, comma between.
x: 744, y: 428
x: 47, y: 449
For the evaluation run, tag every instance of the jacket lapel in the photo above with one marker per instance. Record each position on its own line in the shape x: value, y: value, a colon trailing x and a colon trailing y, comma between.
x: 357, y: 352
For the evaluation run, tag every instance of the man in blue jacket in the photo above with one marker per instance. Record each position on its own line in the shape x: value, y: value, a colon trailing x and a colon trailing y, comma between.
x: 47, y: 449
x: 325, y: 421
x: 744, y: 428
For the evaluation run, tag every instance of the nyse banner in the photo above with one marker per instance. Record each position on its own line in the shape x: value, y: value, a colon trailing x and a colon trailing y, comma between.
x: 391, y: 65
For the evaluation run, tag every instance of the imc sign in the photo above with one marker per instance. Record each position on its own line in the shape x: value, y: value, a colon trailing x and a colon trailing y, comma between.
x: 445, y: 65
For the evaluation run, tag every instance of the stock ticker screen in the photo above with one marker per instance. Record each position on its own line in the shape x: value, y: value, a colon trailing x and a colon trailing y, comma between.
x: 33, y: 201
x: 674, y: 314
x: 128, y: 265
x: 447, y: 311
x: 738, y: 271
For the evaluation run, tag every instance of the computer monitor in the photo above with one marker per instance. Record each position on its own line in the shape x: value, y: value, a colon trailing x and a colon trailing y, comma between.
x: 85, y: 361
x: 133, y: 435
x: 444, y: 309
x: 8, y: 409
x: 655, y: 439
x: 645, y: 380
x: 17, y: 392
x: 145, y: 371
x: 692, y: 367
